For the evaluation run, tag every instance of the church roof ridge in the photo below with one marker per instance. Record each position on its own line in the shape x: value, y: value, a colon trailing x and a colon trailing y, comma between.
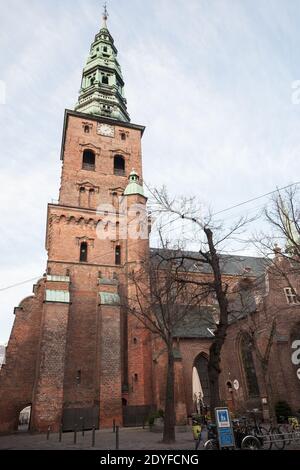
x: 230, y: 264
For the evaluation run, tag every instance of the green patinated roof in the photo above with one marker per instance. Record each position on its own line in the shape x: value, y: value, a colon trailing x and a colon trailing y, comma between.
x: 108, y: 298
x: 102, y: 86
x: 134, y: 186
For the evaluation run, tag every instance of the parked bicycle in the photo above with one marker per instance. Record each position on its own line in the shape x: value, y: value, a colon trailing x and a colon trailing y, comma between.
x: 290, y: 428
x: 243, y: 439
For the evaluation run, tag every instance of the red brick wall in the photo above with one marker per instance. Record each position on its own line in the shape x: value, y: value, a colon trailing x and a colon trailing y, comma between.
x: 105, y: 149
x: 48, y: 393
x: 17, y: 376
x: 110, y: 371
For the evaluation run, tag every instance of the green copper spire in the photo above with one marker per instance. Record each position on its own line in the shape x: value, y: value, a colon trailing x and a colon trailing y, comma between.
x: 102, y: 87
x: 134, y: 186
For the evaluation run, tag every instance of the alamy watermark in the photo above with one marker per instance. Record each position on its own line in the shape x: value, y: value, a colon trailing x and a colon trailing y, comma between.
x: 296, y: 355
x: 2, y: 92
x: 122, y: 222
x: 296, y: 92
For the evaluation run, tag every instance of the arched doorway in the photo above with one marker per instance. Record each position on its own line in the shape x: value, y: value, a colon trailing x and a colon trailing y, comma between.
x: 24, y: 419
x: 200, y: 381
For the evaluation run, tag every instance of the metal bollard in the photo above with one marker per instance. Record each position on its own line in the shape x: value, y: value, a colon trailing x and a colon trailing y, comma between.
x: 60, y: 433
x: 75, y: 434
x: 114, y: 425
x: 48, y: 433
x: 117, y: 437
x: 93, y: 437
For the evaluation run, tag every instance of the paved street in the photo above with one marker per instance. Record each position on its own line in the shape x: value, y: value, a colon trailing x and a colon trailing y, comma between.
x: 130, y: 439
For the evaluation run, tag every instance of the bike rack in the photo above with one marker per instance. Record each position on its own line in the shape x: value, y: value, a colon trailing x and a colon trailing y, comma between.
x: 284, y: 437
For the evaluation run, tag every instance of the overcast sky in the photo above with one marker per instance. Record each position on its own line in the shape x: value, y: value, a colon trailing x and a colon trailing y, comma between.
x: 211, y: 79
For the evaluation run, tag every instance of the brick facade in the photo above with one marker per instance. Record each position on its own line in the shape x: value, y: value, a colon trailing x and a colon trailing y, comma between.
x: 74, y: 351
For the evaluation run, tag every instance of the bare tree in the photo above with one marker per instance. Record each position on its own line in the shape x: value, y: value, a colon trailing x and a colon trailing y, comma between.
x: 283, y: 218
x: 247, y: 301
x: 161, y: 302
x: 213, y: 238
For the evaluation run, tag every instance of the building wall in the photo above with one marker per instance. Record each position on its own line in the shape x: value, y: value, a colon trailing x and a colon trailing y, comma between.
x: 279, y: 380
x: 83, y: 354
x: 79, y: 354
x: 18, y: 374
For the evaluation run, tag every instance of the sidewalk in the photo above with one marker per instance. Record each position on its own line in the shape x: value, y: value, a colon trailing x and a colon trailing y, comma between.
x: 129, y: 439
x: 105, y: 439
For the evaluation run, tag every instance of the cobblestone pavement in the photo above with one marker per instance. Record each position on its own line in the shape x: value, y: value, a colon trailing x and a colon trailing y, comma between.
x: 129, y: 439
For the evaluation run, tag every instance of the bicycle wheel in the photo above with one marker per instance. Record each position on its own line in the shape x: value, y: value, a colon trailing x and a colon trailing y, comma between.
x: 264, y: 438
x: 250, y: 443
x: 278, y: 438
x: 211, y: 444
x: 198, y: 442
x: 287, y: 431
x: 295, y: 436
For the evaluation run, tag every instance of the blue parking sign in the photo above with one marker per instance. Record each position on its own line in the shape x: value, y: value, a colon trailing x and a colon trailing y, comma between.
x: 224, y: 427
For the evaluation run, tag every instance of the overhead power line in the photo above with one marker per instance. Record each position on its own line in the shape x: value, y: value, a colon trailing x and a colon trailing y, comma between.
x: 174, y: 228
x: 256, y: 198
x: 20, y: 283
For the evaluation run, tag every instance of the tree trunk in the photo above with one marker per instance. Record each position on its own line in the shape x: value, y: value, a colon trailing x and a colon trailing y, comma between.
x: 214, y: 367
x: 220, y: 333
x: 269, y: 392
x: 169, y: 417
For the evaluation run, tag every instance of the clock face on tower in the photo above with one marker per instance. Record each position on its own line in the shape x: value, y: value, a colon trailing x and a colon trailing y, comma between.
x: 106, y: 130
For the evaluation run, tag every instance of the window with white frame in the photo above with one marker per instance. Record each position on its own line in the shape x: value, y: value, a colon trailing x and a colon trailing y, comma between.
x: 291, y: 295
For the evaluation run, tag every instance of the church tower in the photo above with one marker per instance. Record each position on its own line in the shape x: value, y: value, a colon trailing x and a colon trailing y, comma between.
x: 89, y: 361
x: 102, y: 86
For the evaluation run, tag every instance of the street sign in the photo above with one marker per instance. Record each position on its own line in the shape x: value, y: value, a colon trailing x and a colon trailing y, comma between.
x: 224, y: 427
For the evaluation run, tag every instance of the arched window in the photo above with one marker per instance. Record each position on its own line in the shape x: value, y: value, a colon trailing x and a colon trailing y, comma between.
x: 105, y: 80
x: 88, y: 160
x: 200, y: 379
x: 248, y: 366
x: 24, y: 419
x: 118, y: 255
x: 119, y: 165
x: 83, y: 252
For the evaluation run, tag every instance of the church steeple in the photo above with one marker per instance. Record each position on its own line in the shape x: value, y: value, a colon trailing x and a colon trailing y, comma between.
x: 102, y: 86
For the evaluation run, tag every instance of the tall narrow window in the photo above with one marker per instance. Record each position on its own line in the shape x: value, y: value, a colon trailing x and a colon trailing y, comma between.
x: 249, y: 367
x: 88, y: 160
x: 81, y: 196
x: 78, y: 377
x: 105, y: 80
x: 91, y: 197
x: 119, y: 165
x: 118, y: 255
x: 83, y: 252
